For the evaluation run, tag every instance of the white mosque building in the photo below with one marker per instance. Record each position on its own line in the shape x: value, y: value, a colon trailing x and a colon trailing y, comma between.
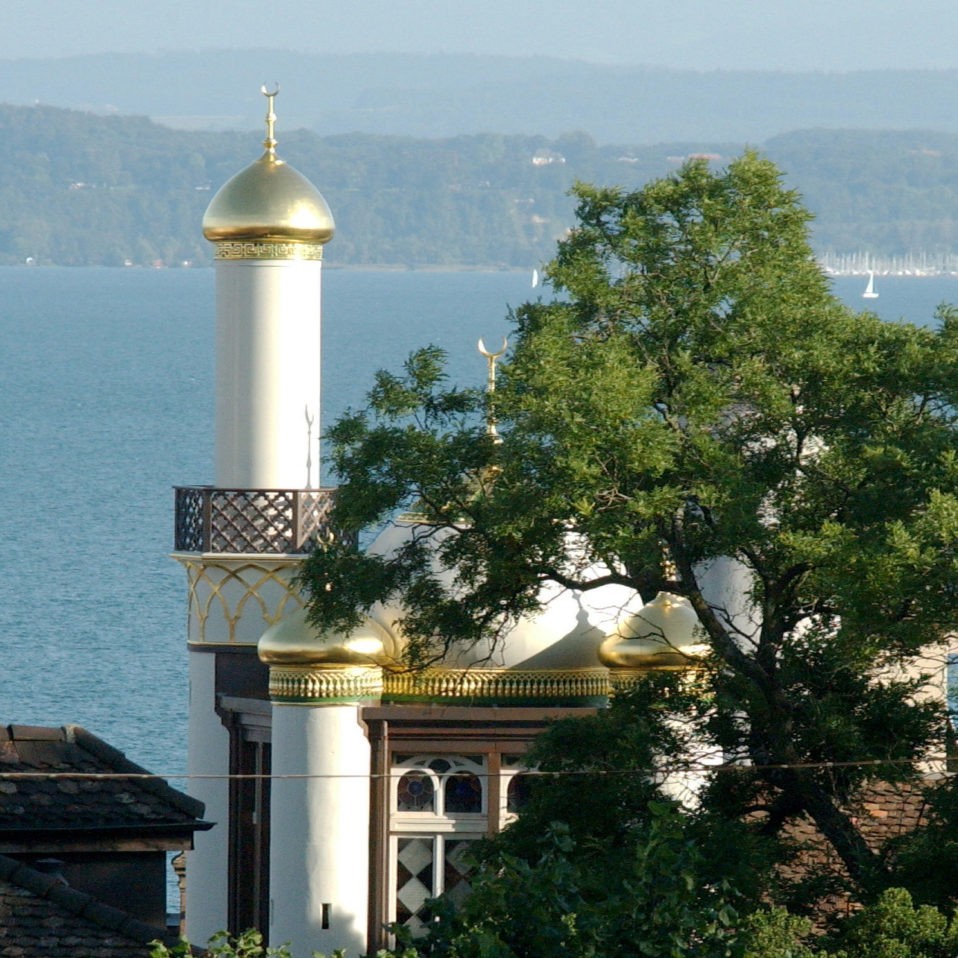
x: 344, y: 792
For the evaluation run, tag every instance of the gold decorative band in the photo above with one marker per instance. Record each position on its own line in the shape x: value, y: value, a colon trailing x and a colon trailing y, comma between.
x: 308, y: 685
x: 305, y: 685
x: 621, y: 680
x: 267, y: 249
x: 498, y: 685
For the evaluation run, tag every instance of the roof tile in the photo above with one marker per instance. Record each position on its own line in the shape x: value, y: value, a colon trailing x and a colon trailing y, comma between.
x: 79, y: 803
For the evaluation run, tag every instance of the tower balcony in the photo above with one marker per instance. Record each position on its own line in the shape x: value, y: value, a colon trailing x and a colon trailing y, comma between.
x: 252, y: 521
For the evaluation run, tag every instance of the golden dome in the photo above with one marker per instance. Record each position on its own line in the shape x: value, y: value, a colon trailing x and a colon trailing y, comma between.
x: 269, y: 200
x: 293, y: 641
x: 664, y: 634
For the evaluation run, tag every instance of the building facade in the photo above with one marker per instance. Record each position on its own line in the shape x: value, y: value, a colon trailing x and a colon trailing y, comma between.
x: 345, y: 788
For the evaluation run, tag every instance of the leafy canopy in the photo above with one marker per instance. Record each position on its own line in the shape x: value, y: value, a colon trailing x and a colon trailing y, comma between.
x: 694, y: 392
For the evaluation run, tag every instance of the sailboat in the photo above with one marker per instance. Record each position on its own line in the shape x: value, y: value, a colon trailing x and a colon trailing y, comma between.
x: 535, y: 278
x: 870, y: 288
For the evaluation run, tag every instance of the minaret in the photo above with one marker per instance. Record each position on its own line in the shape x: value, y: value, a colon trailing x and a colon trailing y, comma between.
x: 241, y: 540
x: 269, y: 224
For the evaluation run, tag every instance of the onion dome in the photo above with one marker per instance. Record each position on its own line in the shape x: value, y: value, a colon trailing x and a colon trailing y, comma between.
x: 293, y: 641
x: 563, y: 635
x: 269, y: 201
x: 663, y: 634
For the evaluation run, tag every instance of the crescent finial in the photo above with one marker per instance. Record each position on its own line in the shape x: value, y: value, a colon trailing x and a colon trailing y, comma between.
x: 487, y: 354
x: 491, y: 382
x: 270, y: 141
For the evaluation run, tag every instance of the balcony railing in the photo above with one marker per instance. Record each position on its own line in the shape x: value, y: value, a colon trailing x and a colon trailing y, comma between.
x: 270, y: 521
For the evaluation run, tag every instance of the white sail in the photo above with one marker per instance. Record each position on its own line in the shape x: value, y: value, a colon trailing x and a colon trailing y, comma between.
x: 870, y: 288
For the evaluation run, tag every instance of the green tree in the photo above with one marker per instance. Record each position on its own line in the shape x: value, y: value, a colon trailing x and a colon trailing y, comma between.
x: 694, y: 394
x: 553, y: 906
x: 894, y: 927
x: 246, y: 944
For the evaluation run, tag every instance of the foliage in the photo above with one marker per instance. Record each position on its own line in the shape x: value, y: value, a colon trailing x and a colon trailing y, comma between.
x: 554, y: 905
x: 247, y: 944
x: 82, y: 189
x: 926, y: 860
x: 774, y: 933
x: 592, y: 778
x: 895, y: 928
x: 540, y: 910
x: 694, y: 393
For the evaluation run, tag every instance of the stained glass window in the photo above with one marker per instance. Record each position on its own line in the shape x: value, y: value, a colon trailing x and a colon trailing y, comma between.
x: 463, y: 794
x: 456, y: 867
x: 440, y: 806
x: 415, y: 881
x: 416, y: 793
x: 445, y: 785
x: 517, y: 794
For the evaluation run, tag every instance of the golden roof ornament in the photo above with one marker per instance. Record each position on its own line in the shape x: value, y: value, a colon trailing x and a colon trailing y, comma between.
x: 663, y: 634
x: 492, y: 359
x: 270, y: 141
x: 268, y: 210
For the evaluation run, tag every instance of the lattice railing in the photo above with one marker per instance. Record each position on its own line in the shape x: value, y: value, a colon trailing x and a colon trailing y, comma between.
x: 277, y: 521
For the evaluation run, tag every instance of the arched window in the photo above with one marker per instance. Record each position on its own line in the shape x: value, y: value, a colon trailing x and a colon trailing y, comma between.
x: 438, y: 808
x: 446, y: 786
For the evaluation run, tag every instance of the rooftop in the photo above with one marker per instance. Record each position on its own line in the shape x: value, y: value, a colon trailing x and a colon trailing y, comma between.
x: 67, y: 781
x: 41, y: 916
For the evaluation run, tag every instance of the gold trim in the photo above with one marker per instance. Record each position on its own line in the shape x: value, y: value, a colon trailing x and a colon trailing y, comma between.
x: 246, y: 580
x: 267, y: 249
x: 306, y: 686
x: 621, y: 680
x: 498, y: 684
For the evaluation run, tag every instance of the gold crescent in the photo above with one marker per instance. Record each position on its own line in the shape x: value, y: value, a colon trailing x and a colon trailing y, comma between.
x: 263, y: 89
x: 487, y: 354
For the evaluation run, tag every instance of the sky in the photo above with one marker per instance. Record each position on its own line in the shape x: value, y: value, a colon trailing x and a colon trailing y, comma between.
x: 790, y: 35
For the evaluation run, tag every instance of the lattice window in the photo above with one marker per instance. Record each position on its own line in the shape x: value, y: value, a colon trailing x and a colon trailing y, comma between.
x: 439, y: 805
x: 189, y: 531
x: 251, y: 521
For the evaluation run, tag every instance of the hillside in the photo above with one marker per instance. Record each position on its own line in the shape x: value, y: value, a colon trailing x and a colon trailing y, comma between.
x: 85, y: 189
x: 444, y: 95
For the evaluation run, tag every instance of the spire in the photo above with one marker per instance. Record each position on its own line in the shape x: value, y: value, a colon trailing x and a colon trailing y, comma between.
x: 492, y: 359
x: 270, y: 141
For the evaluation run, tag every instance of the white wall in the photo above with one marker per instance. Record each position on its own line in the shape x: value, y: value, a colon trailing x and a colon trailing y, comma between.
x: 319, y: 849
x: 206, y: 865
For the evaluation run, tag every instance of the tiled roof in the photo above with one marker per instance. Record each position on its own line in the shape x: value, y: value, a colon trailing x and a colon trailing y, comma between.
x: 80, y: 804
x: 40, y: 916
x: 881, y: 810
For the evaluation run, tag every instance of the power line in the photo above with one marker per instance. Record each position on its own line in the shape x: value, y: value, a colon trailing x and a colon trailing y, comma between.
x: 543, y: 773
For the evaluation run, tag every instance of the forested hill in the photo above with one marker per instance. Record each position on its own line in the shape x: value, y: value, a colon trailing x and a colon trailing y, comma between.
x: 85, y: 189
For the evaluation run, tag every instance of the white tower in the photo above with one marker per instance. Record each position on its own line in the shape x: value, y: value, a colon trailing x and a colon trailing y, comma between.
x: 241, y: 539
x: 320, y: 848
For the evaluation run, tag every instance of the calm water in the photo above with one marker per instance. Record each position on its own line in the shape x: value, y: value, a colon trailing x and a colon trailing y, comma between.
x: 106, y: 403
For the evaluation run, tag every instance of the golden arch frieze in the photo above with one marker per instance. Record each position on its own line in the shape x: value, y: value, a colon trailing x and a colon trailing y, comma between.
x: 234, y: 602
